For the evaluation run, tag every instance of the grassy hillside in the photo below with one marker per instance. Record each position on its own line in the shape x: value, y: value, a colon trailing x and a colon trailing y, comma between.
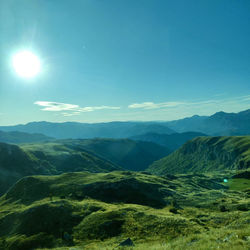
x: 205, y: 154
x: 129, y: 154
x: 172, y: 142
x: 20, y: 137
x: 65, y: 157
x: 16, y: 163
x: 99, y: 211
x: 45, y: 158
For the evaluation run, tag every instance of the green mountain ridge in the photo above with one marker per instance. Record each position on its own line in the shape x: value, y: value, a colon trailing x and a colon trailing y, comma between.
x: 205, y: 154
x: 45, y: 158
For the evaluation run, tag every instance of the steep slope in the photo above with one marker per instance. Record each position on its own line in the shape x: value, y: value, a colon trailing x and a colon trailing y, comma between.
x: 66, y: 158
x: 45, y: 158
x: 171, y: 142
x: 206, y: 154
x: 15, y: 163
x: 98, y: 211
x: 76, y: 130
x: 126, y: 153
x: 221, y: 123
x: 21, y: 137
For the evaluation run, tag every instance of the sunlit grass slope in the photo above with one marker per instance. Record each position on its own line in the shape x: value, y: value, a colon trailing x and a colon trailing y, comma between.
x: 100, y: 210
x: 204, y: 154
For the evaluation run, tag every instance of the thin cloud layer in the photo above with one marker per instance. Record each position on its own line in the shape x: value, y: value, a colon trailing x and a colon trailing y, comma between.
x: 152, y: 105
x: 72, y: 109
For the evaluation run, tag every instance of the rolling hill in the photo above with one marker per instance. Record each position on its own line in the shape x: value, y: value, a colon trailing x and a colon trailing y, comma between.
x: 172, y: 141
x: 103, y: 210
x: 45, y: 158
x: 204, y: 154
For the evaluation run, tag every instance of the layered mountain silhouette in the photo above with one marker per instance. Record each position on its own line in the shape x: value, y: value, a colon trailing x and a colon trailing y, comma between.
x: 171, y: 142
x: 220, y: 123
x: 21, y: 137
x: 76, y: 130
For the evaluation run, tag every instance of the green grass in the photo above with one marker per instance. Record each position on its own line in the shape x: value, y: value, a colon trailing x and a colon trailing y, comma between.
x: 98, y: 211
x: 206, y: 154
x: 239, y: 184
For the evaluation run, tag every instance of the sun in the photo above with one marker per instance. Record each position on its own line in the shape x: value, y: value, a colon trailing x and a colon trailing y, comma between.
x: 26, y: 64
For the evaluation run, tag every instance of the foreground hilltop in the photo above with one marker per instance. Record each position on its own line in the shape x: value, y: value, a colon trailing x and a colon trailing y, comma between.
x: 205, y: 154
x: 101, y: 210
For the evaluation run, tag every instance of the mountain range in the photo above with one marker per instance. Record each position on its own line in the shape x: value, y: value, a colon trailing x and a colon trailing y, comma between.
x: 77, y: 130
x: 21, y: 137
x: 220, y: 123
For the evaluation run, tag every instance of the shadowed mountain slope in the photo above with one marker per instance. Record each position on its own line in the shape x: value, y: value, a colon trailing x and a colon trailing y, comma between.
x: 129, y: 154
x: 171, y: 142
x: 205, y: 154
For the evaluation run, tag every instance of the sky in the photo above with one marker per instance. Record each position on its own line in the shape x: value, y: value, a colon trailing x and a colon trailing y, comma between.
x: 122, y: 60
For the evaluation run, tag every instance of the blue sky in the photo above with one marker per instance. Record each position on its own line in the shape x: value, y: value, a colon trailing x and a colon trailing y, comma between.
x: 106, y: 60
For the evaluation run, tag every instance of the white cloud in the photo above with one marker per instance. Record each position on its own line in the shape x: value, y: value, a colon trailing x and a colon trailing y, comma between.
x: 56, y: 106
x: 71, y: 108
x: 152, y: 105
x: 219, y: 103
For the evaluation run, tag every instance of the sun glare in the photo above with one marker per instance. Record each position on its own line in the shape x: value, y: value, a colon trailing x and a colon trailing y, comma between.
x: 26, y: 64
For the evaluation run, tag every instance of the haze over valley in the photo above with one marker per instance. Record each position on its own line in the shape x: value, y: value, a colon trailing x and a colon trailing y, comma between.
x: 124, y: 125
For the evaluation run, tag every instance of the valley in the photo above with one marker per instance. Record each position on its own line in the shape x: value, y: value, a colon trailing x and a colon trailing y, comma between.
x: 149, y: 191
